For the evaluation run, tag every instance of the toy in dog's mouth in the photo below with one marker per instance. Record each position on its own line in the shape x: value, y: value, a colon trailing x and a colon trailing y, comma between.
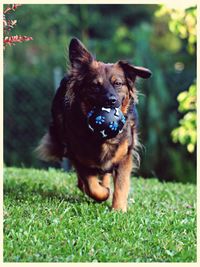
x: 105, y: 123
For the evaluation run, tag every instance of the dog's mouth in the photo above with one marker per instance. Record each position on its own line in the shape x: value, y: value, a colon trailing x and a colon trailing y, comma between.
x: 111, y: 102
x: 91, y: 102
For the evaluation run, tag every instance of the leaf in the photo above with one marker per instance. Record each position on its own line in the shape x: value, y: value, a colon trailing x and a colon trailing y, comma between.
x: 190, y: 148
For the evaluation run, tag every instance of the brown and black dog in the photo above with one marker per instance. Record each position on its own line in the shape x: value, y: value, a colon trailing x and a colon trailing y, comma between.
x: 92, y: 83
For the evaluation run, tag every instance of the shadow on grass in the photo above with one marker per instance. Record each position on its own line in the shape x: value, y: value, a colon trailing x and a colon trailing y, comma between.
x: 22, y: 191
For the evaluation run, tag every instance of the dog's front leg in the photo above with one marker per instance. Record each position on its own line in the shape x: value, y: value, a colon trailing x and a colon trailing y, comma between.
x: 96, y: 190
x: 122, y: 184
x: 92, y: 186
x: 106, y: 180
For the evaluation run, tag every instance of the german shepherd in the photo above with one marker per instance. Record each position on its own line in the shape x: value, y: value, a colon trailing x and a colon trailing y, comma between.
x: 92, y: 83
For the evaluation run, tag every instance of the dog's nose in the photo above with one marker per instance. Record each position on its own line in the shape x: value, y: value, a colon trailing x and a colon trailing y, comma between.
x: 111, y: 100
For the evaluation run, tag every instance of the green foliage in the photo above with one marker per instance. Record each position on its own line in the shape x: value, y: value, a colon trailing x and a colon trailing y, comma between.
x: 186, y: 133
x: 130, y: 32
x: 183, y: 23
x: 187, y: 99
x: 60, y: 224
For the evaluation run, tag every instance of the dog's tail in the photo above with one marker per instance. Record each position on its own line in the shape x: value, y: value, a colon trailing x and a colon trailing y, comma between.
x: 47, y: 150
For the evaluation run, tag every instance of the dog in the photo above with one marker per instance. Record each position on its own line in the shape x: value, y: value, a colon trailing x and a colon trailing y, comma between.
x: 92, y: 83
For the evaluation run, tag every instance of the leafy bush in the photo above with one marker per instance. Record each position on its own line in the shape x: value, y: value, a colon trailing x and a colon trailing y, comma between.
x: 8, y: 25
x: 186, y: 133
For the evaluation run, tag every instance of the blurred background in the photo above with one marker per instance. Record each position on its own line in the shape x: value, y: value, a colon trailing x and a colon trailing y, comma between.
x: 158, y: 37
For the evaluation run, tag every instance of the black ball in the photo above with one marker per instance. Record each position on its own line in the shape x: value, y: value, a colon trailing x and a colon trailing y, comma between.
x: 106, y: 123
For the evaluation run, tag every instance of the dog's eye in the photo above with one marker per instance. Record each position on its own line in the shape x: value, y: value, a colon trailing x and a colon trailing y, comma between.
x: 118, y: 83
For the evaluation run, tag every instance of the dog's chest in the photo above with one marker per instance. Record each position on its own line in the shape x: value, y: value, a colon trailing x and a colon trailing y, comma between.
x: 102, y: 156
x: 90, y: 152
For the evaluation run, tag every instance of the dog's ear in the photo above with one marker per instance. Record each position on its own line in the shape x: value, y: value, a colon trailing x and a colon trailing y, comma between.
x: 132, y: 71
x: 78, y: 54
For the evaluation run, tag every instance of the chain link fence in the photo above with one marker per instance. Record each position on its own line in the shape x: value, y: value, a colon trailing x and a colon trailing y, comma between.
x: 27, y: 105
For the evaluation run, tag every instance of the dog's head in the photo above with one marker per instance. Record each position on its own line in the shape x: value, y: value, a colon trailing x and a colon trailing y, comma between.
x: 100, y: 84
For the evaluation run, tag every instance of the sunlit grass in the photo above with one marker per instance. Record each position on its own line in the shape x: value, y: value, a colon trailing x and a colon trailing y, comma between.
x: 47, y: 219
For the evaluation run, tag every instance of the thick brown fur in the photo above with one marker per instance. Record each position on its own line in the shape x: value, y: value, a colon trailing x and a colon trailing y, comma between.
x: 88, y: 83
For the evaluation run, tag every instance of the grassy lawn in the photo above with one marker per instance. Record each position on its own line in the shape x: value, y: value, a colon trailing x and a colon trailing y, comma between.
x: 47, y: 219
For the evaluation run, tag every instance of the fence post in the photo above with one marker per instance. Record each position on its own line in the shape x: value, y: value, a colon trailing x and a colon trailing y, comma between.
x: 57, y: 75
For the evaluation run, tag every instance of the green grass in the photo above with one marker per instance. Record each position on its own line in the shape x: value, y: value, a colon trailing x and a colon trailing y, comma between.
x: 47, y: 219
